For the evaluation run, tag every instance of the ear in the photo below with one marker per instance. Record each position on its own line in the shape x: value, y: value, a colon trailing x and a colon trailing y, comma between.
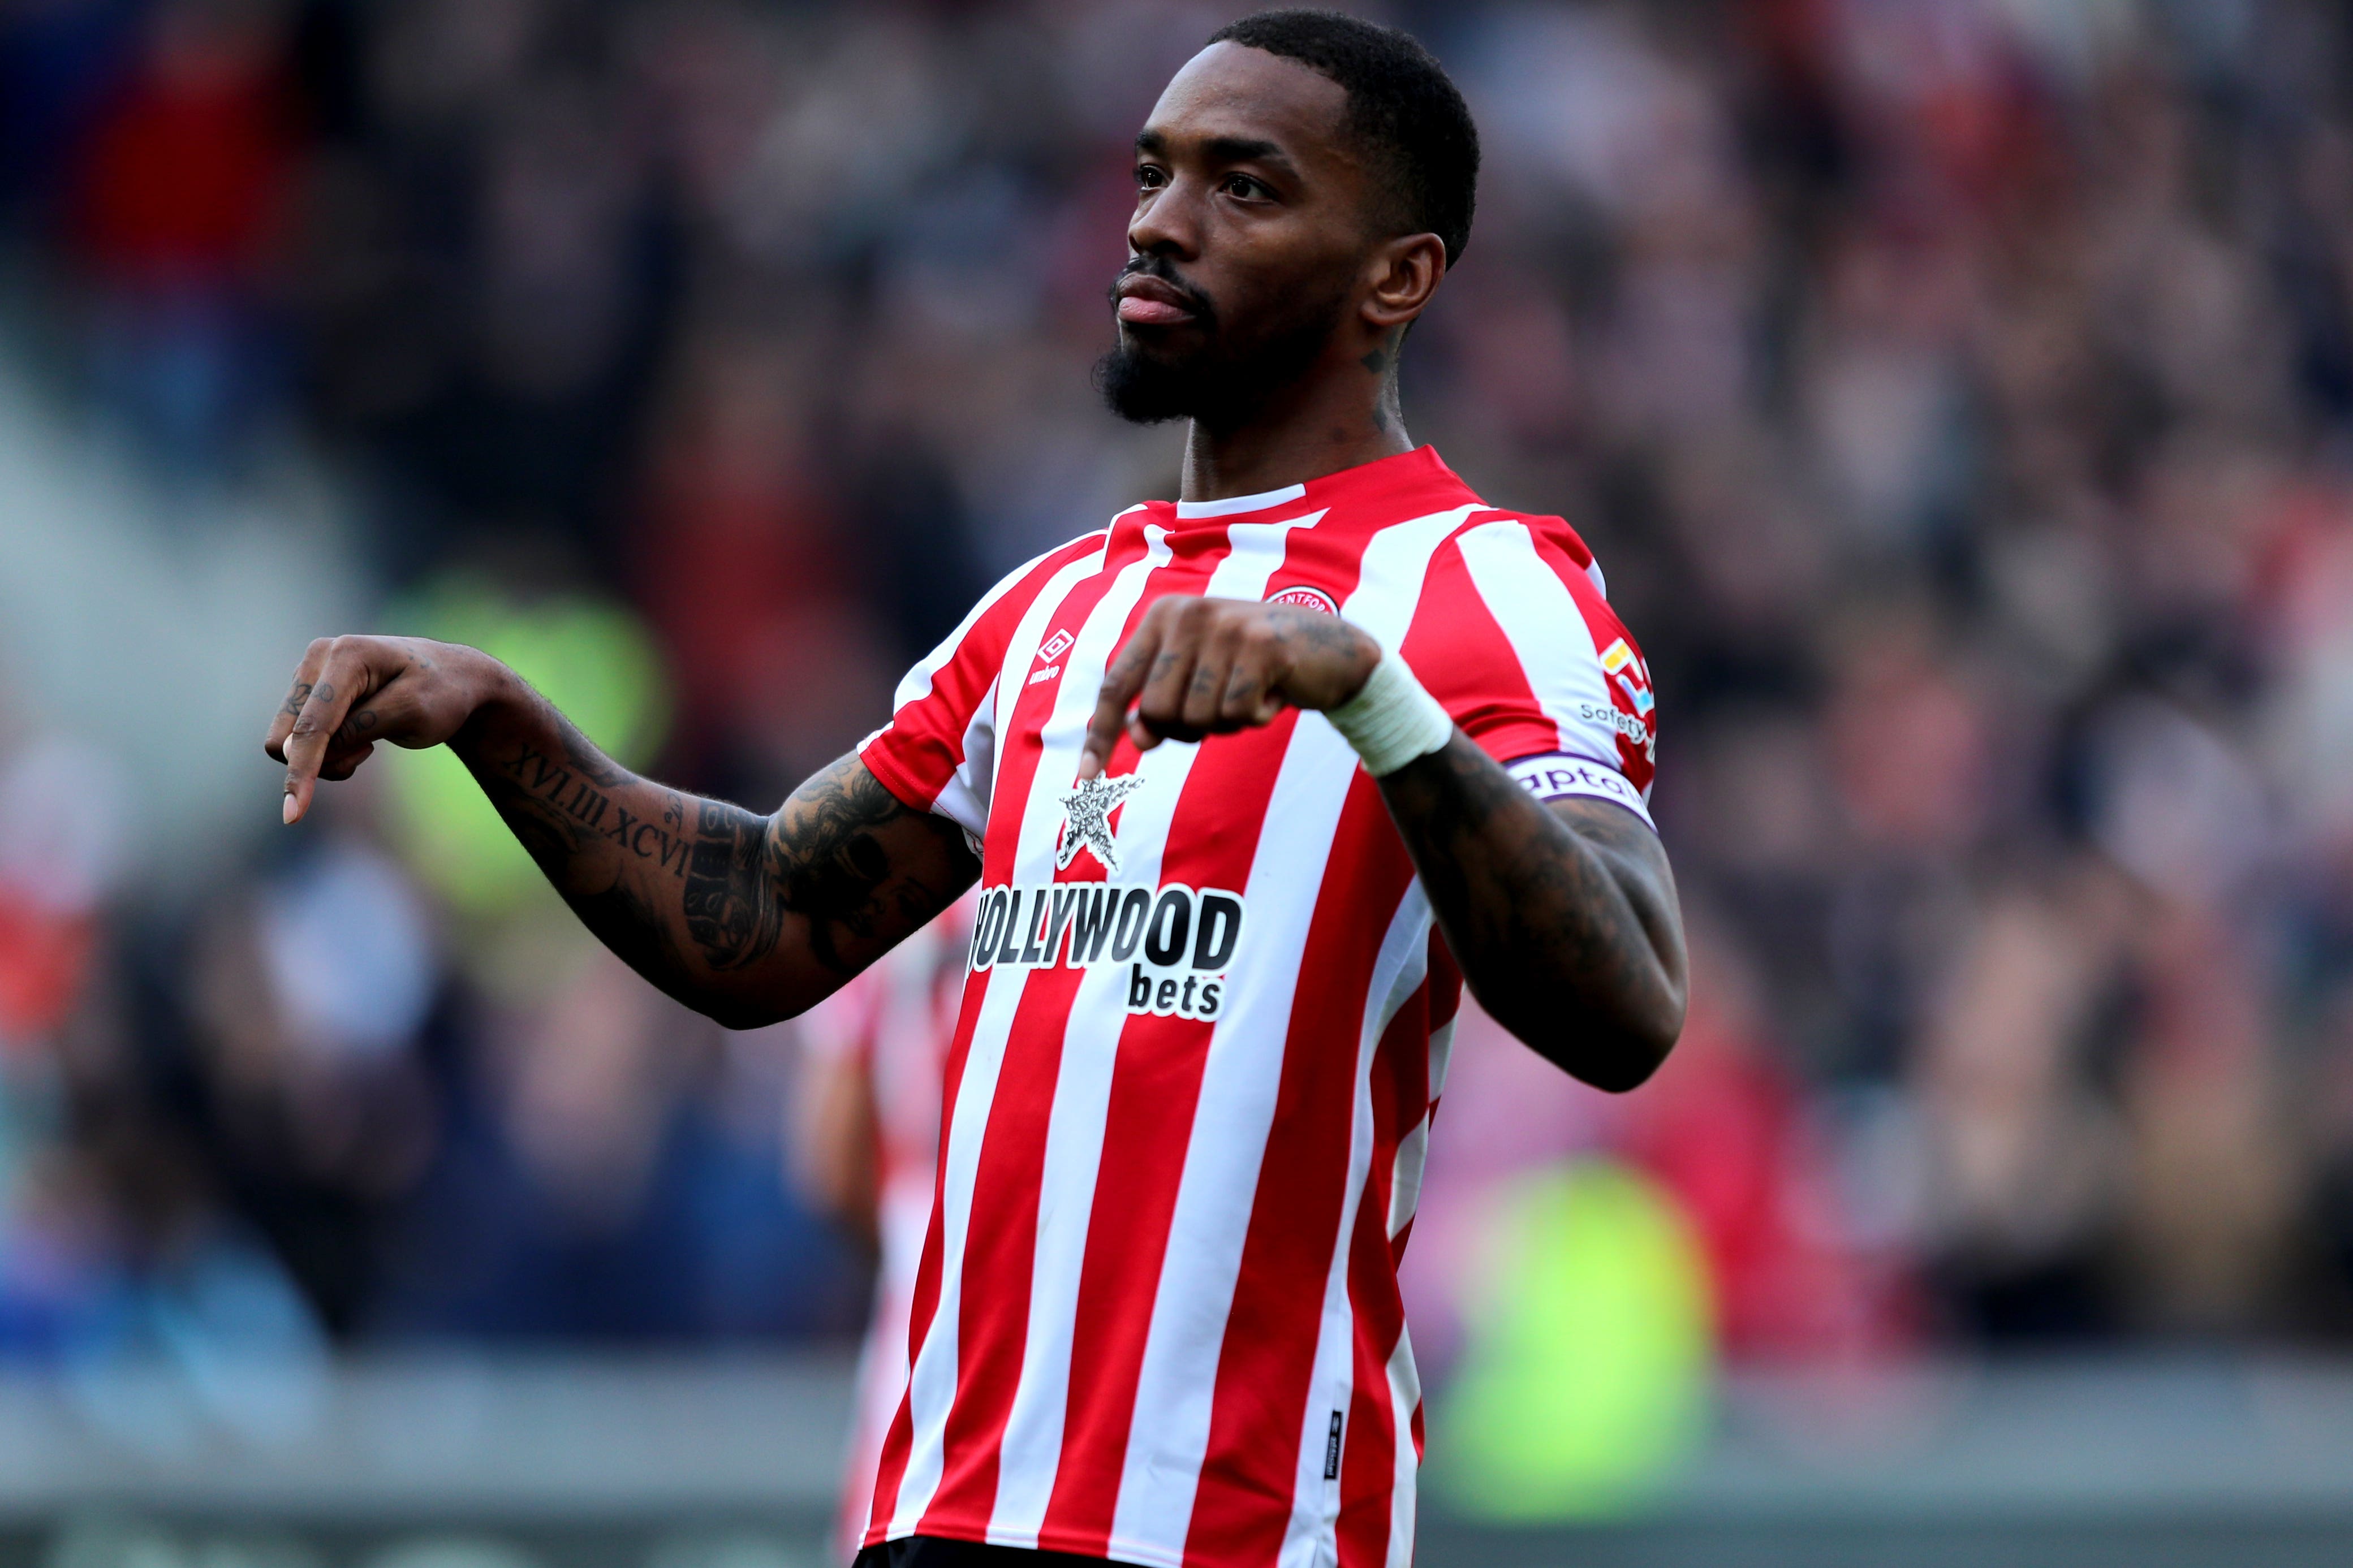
x: 1403, y: 273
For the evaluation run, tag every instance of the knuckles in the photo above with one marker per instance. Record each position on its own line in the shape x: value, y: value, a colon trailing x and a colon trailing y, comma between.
x: 1244, y: 637
x: 1160, y: 708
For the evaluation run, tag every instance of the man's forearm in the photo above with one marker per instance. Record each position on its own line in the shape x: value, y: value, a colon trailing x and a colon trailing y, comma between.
x: 743, y: 917
x: 1564, y: 919
x: 671, y: 882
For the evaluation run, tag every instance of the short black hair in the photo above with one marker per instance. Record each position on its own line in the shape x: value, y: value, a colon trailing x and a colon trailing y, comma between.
x: 1400, y: 99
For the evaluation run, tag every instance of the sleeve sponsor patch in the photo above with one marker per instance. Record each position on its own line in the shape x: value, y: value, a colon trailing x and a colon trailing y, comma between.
x: 1557, y: 775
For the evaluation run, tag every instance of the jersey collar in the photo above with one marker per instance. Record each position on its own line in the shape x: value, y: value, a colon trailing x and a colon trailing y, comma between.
x: 1404, y: 478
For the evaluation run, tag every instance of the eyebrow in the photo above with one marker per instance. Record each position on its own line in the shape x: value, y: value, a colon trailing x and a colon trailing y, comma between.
x: 1222, y: 150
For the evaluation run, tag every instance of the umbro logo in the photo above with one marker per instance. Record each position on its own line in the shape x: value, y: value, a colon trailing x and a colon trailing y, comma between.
x: 1055, y: 646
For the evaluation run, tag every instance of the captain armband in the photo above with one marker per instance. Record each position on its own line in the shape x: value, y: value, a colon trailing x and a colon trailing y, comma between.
x: 1559, y: 775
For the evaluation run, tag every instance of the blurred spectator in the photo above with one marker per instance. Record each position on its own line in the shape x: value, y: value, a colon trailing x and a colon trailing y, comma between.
x: 177, y: 193
x: 59, y: 858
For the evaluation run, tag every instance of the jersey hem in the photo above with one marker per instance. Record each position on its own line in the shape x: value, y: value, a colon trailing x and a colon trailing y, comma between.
x: 1130, y: 1553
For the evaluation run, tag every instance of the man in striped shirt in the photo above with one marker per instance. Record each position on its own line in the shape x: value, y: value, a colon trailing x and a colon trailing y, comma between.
x: 1253, y: 782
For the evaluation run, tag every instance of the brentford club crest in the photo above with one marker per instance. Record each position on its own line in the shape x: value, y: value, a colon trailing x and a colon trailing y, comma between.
x: 1086, y: 820
x: 1306, y: 598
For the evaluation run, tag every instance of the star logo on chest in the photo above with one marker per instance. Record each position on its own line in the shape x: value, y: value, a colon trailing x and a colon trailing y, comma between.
x: 1086, y: 820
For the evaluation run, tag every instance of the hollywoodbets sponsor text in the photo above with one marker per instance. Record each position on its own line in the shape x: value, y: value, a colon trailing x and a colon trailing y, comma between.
x: 1175, y: 942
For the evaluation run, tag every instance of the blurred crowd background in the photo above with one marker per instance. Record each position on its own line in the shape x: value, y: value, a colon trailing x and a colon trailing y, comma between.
x: 1956, y: 392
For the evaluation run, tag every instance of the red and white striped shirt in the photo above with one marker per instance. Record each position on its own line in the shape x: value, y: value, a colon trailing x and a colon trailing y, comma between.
x: 1157, y: 1315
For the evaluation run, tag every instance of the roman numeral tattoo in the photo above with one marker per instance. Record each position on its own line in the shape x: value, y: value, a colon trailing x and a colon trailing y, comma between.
x: 733, y: 876
x: 566, y: 792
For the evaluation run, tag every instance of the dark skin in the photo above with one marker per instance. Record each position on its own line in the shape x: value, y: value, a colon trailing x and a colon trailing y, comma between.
x: 1250, y: 191
x: 1248, y: 185
x: 748, y: 919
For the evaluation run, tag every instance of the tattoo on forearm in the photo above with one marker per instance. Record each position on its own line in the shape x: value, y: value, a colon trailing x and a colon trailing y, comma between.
x: 570, y: 792
x: 835, y: 872
x: 820, y: 859
x: 731, y: 911
x: 737, y: 874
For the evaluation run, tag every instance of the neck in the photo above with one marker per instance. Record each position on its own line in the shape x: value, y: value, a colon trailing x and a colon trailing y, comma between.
x: 1330, y: 422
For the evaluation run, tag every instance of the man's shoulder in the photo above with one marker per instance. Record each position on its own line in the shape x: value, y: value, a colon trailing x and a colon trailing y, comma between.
x: 1546, y: 530
x: 1019, y: 586
x: 1080, y: 547
x: 1421, y: 485
x: 1488, y: 540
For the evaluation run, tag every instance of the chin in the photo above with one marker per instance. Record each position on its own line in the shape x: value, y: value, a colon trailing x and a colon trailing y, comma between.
x: 1147, y: 389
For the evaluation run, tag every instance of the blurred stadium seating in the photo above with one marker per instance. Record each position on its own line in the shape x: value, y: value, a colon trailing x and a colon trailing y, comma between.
x: 1959, y: 393
x: 667, y: 1462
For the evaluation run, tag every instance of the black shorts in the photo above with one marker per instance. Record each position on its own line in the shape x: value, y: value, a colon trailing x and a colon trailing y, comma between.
x: 938, y: 1551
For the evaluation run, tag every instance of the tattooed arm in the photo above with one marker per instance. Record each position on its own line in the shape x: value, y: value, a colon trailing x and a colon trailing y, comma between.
x: 746, y: 917
x: 1563, y: 919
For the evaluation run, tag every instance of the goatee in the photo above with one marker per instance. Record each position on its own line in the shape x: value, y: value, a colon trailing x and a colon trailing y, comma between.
x: 1146, y: 391
x: 1214, y: 383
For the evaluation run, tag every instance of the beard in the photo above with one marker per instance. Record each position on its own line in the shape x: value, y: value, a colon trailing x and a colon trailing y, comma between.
x: 1220, y: 378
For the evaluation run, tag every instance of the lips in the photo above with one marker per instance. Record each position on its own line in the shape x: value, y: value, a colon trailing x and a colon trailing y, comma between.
x: 1148, y: 301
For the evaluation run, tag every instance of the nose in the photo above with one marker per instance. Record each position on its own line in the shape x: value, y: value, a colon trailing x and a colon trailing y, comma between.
x: 1166, y: 222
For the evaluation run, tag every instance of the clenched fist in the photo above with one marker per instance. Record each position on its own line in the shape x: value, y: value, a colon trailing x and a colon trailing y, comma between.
x: 1201, y: 666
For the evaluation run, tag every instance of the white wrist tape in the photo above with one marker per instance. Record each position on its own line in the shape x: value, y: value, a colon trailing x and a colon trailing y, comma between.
x: 1392, y: 721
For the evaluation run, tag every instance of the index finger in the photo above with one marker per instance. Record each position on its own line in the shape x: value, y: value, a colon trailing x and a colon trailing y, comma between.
x: 306, y: 675
x: 1121, y: 681
x: 338, y: 684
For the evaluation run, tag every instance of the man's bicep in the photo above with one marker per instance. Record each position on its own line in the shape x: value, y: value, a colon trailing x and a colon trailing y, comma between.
x: 1624, y: 837
x: 1638, y: 863
x: 861, y: 869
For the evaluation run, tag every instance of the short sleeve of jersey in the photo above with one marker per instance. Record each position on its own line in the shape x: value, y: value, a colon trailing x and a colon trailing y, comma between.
x: 1515, y: 637
x: 938, y: 752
